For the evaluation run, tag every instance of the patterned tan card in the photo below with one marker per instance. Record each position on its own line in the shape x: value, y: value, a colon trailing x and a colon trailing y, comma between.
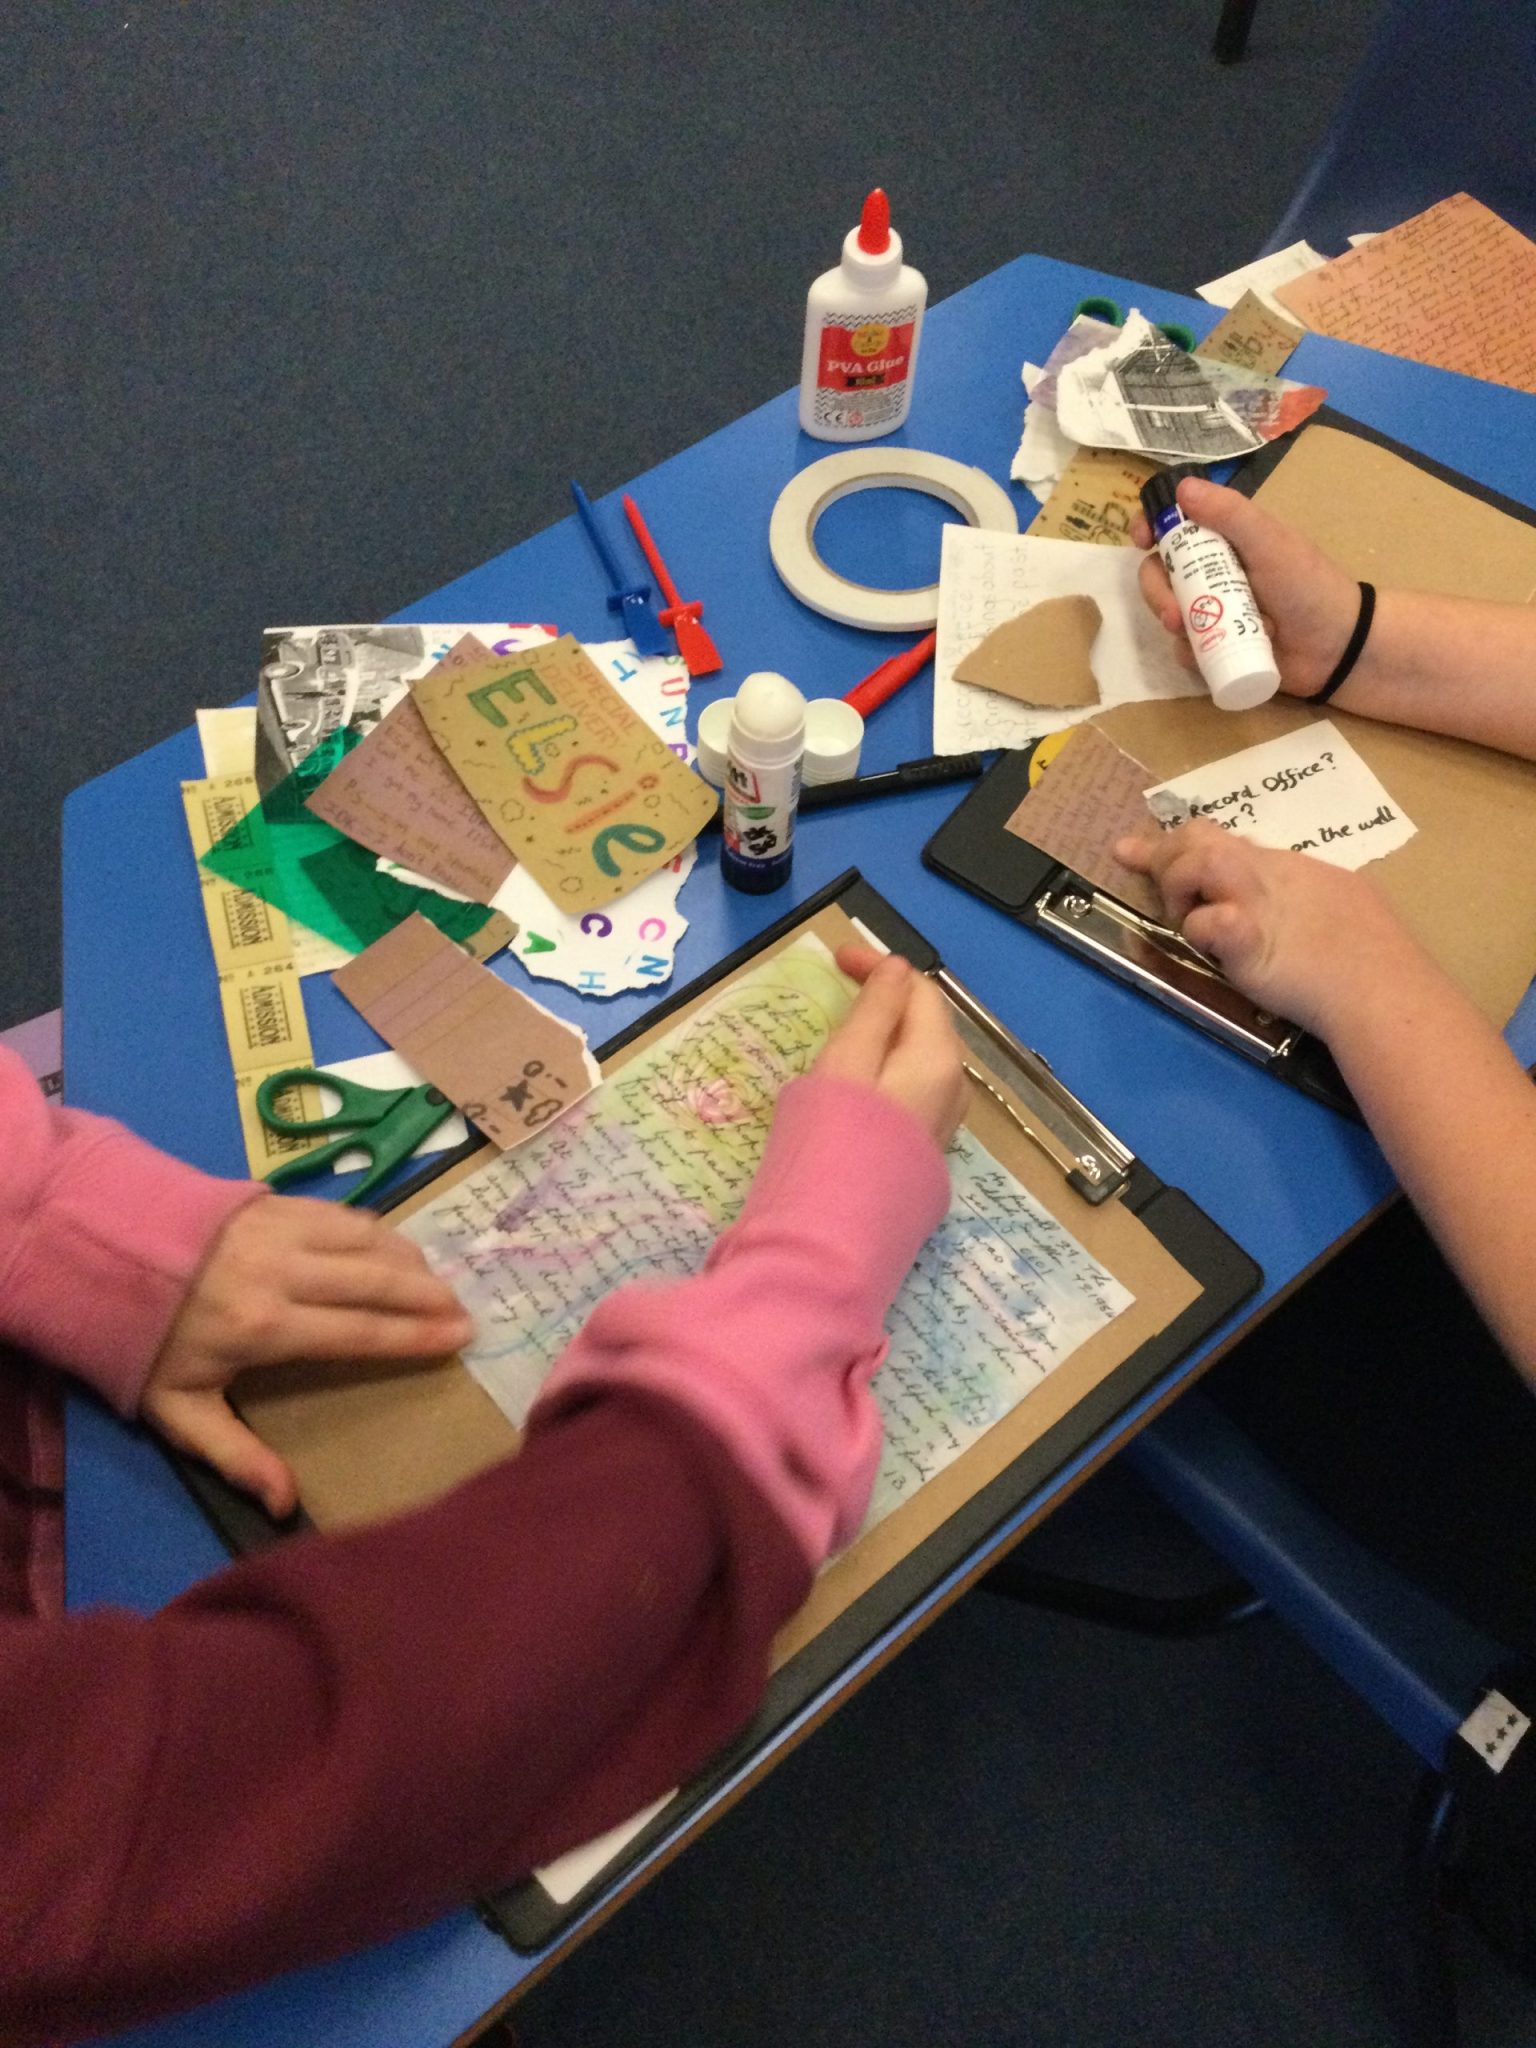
x: 572, y: 779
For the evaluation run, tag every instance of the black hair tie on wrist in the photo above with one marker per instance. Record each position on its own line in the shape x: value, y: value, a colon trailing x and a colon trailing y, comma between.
x: 1352, y: 652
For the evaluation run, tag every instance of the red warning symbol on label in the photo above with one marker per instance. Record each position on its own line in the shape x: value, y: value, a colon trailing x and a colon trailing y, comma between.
x: 1204, y: 613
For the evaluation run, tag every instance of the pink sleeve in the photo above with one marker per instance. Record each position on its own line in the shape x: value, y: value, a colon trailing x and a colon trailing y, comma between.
x: 773, y: 1345
x: 100, y: 1236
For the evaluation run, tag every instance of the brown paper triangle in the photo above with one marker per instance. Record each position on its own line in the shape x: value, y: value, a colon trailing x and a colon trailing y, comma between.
x: 1040, y: 657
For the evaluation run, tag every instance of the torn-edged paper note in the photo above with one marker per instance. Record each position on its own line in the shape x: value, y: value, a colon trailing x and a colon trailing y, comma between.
x: 1039, y: 656
x: 988, y: 578
x: 1088, y: 797
x: 1262, y: 277
x: 1251, y: 335
x: 1147, y: 394
x: 508, y: 1063
x: 577, y: 785
x: 1307, y: 790
x: 398, y: 795
x: 1044, y: 451
x: 1454, y: 287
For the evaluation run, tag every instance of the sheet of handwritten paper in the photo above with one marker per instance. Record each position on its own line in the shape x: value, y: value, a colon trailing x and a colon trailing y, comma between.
x: 639, y: 1180
x: 1090, y: 796
x: 500, y: 1057
x: 397, y: 795
x: 1308, y: 790
x: 1040, y: 656
x: 571, y: 778
x: 1455, y: 287
x: 988, y: 578
x: 1263, y: 277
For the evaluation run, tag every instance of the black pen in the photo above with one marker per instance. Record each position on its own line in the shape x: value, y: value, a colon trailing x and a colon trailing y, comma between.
x: 853, y: 789
x: 933, y: 768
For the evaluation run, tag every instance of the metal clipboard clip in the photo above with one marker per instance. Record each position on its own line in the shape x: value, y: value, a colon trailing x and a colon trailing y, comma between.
x: 1154, y: 958
x: 1090, y: 1157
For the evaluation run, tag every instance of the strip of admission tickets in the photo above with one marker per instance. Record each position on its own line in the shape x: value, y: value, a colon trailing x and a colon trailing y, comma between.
x: 260, y: 992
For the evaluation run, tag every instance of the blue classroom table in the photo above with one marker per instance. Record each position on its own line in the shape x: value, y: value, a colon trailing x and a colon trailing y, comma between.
x: 1285, y: 1177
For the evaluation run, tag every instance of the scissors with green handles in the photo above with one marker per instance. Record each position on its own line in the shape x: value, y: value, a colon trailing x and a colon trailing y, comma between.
x: 386, y: 1123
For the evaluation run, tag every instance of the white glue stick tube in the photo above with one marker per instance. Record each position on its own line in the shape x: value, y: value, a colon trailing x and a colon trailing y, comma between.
x: 1232, y: 650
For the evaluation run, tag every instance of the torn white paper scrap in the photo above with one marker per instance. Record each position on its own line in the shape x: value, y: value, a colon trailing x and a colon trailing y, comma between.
x: 228, y: 738
x: 1044, y: 450
x: 988, y: 578
x: 1308, y: 791
x: 1261, y: 276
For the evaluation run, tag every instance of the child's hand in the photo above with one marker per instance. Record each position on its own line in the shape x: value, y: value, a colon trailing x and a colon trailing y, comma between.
x: 1309, y: 605
x: 898, y: 1039
x: 290, y: 1279
x: 1306, y: 940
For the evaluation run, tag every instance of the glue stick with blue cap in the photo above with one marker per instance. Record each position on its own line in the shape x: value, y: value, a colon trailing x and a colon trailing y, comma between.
x: 1215, y: 599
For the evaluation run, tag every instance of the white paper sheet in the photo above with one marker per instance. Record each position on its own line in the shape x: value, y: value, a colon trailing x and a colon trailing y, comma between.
x: 566, y: 1876
x: 987, y: 578
x: 1261, y: 277
x: 1044, y: 450
x: 1308, y: 790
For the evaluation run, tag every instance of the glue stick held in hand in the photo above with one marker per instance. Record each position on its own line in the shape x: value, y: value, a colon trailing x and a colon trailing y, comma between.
x: 1231, y: 647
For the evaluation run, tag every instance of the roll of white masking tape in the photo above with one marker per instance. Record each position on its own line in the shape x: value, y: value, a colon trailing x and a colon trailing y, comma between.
x: 792, y: 529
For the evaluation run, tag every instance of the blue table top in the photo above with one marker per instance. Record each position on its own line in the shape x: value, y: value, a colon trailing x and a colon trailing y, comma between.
x: 144, y: 1041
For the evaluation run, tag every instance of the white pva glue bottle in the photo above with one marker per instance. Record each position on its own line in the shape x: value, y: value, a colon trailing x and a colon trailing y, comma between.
x: 762, y: 783
x: 862, y: 325
x: 1232, y: 650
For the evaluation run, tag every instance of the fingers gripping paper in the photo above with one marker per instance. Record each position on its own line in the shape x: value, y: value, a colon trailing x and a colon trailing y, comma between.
x: 572, y: 779
x: 502, y: 1058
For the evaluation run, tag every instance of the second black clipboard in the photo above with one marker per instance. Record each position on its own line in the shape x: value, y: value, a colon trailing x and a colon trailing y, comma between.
x: 1098, y: 1168
x: 974, y: 848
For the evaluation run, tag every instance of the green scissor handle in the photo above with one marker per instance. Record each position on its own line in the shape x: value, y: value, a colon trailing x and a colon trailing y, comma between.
x: 1106, y: 309
x: 386, y: 1123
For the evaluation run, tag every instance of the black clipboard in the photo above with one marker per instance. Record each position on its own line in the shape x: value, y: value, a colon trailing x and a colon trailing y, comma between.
x: 972, y: 848
x: 1099, y: 1169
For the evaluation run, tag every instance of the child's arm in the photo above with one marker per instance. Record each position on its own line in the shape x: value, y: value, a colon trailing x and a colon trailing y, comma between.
x: 1445, y: 664
x: 1446, y: 1099
x: 343, y: 1737
x: 158, y: 1284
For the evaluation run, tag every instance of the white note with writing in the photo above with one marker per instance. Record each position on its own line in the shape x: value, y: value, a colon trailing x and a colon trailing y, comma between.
x: 1308, y: 790
x: 636, y: 1182
x: 986, y: 579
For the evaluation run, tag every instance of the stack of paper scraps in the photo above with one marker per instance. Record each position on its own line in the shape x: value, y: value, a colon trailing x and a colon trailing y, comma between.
x: 494, y: 782
x: 1129, y: 393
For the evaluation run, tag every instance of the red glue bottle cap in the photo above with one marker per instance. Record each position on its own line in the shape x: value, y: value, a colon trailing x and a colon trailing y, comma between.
x: 875, y: 224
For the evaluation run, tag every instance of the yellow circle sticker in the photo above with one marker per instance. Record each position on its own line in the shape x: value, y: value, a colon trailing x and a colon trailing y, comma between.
x: 1046, y: 751
x: 870, y: 339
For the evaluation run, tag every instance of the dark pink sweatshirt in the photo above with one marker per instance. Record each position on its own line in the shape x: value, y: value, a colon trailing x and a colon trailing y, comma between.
x: 337, y: 1740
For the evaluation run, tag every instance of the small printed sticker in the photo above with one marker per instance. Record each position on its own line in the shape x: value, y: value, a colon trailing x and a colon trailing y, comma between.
x: 1494, y: 1728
